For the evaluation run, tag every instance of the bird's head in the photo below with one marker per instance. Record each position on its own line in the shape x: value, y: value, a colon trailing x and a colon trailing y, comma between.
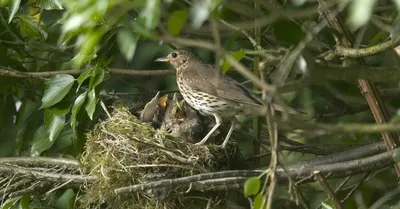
x: 177, y: 58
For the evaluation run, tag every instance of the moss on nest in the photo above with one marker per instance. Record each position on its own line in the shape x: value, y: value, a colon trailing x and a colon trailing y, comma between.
x: 123, y: 151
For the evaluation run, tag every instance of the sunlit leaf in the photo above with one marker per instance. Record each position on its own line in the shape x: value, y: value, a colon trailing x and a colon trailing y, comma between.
x: 13, y: 7
x: 238, y: 55
x: 8, y: 203
x: 140, y: 28
x: 177, y: 21
x: 56, y: 89
x: 258, y: 200
x: 201, y: 10
x: 24, y: 201
x: 30, y: 27
x: 127, y: 41
x: 75, y: 110
x: 151, y: 13
x: 327, y: 204
x: 252, y: 186
x: 49, y: 4
x: 360, y: 12
x: 97, y: 79
x: 397, y: 2
x: 90, y: 106
x: 54, y: 123
x: 88, y: 47
x: 41, y: 141
x: 83, y: 76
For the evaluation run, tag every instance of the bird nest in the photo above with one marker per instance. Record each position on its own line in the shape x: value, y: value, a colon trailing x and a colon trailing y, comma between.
x: 123, y: 151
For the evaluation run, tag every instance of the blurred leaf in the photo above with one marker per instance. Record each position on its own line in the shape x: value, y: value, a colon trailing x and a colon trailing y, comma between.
x: 327, y: 204
x: 151, y: 13
x: 127, y: 41
x: 252, y: 186
x: 177, y: 21
x: 63, y: 142
x: 396, y: 155
x: 360, y: 12
x: 139, y: 25
x: 238, y: 55
x: 231, y: 40
x: 288, y: 32
x: 83, y: 76
x: 41, y: 141
x: 201, y: 10
x: 395, y: 33
x: 54, y: 123
x: 30, y: 27
x: 97, y: 78
x: 13, y: 7
x: 75, y: 110
x: 8, y: 203
x: 257, y: 202
x: 88, y: 47
x: 24, y: 201
x: 66, y: 200
x: 56, y: 88
x: 50, y: 4
x: 91, y: 103
x: 397, y: 2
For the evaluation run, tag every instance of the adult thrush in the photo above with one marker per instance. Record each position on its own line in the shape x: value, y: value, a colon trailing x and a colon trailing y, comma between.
x: 211, y: 93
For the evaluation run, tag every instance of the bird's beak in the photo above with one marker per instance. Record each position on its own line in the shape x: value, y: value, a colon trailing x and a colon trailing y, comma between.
x: 162, y: 59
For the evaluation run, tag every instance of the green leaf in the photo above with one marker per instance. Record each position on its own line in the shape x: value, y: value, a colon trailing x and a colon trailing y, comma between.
x: 50, y: 4
x: 201, y: 10
x: 8, y: 203
x: 252, y: 186
x: 151, y: 13
x: 396, y: 155
x: 31, y: 27
x: 127, y: 41
x: 83, y: 76
x: 327, y: 204
x: 88, y: 47
x: 54, y: 123
x: 66, y: 200
x: 13, y: 7
x: 90, y: 106
x: 231, y: 40
x: 238, y: 55
x: 258, y: 200
x: 24, y: 201
x: 41, y: 141
x: 360, y: 12
x: 177, y: 21
x: 56, y: 88
x: 97, y: 79
x: 288, y: 32
x: 75, y: 110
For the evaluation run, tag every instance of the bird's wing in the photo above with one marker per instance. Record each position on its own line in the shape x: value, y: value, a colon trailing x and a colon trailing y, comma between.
x: 219, y: 85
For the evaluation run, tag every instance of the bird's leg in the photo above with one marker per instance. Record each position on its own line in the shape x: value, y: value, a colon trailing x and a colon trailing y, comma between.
x: 228, y: 135
x: 218, y: 122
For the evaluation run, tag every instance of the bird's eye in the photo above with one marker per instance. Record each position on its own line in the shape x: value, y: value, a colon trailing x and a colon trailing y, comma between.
x: 174, y: 55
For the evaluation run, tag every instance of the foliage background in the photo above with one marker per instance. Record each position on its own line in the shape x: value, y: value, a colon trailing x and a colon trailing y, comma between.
x: 59, y: 58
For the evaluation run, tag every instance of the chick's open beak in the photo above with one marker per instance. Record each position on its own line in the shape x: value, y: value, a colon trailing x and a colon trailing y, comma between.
x: 162, y: 59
